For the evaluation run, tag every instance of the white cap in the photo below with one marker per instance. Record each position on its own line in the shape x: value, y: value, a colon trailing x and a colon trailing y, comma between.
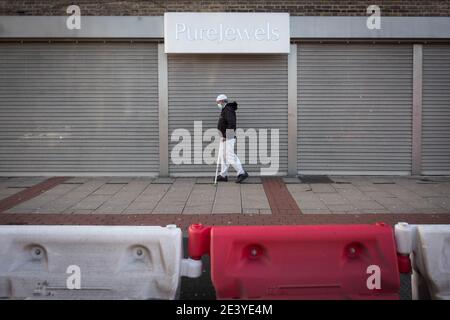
x: 221, y: 97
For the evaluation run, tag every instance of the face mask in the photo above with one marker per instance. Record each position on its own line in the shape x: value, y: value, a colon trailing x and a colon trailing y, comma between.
x: 220, y: 106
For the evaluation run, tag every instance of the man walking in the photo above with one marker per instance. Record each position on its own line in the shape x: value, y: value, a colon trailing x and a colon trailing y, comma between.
x: 227, y: 127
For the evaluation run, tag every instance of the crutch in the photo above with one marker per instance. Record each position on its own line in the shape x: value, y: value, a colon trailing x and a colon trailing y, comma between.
x: 217, y: 166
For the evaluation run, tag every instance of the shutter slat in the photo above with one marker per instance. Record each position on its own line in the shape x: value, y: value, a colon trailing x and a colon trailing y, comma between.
x: 79, y: 108
x: 257, y: 82
x: 354, y: 108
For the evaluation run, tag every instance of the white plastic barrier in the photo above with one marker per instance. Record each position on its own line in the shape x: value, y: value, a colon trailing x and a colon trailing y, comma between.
x: 429, y: 246
x: 92, y: 262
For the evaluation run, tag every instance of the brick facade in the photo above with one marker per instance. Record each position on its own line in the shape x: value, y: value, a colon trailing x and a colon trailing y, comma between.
x: 294, y: 7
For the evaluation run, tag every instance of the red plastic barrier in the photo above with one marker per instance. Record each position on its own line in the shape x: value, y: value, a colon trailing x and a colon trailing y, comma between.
x: 299, y: 262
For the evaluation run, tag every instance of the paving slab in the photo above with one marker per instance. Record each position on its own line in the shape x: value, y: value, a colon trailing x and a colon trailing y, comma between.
x: 403, y: 209
x: 13, y: 181
x: 370, y: 188
x: 26, y: 182
x: 148, y: 199
x: 201, y: 199
x: 228, y: 198
x: 125, y: 180
x: 340, y: 179
x: 343, y: 208
x: 29, y: 193
x: 434, y: 190
x: 322, y: 188
x: 251, y: 180
x: 175, y: 198
x: 333, y: 199
x: 353, y: 193
x: 10, y: 191
x: 378, y: 194
x: 43, y: 200
x: 373, y: 211
x: 436, y: 210
x: 442, y: 202
x: 306, y: 200
x: 440, y: 178
x: 78, y: 211
x: 91, y: 202
x: 360, y: 181
x: 61, y: 189
x: 34, y: 203
x: 250, y: 211
x: 316, y: 205
x: 307, y: 203
x: 391, y: 201
x: 304, y: 195
x: 367, y: 205
x: 4, y: 196
x: 204, y: 180
x: 303, y: 187
x: 117, y: 203
x: 109, y: 189
x: 254, y: 197
x: 421, y: 203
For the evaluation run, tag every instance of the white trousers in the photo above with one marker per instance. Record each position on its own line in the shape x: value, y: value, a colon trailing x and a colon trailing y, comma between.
x: 228, y: 157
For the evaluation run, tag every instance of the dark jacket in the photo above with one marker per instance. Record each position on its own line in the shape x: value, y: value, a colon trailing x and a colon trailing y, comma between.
x: 227, y: 118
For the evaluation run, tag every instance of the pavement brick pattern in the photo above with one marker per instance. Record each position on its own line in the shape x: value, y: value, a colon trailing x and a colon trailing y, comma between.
x: 112, y: 195
x: 17, y: 190
x: 359, y: 195
x: 182, y: 201
x: 279, y: 197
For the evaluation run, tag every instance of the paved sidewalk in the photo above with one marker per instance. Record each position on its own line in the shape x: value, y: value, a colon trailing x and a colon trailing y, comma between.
x: 10, y: 186
x: 364, y: 194
x: 187, y: 196
x: 114, y: 195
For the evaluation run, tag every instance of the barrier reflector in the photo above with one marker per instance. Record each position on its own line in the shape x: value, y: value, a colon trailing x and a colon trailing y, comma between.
x: 299, y: 262
x: 91, y: 262
x: 429, y: 246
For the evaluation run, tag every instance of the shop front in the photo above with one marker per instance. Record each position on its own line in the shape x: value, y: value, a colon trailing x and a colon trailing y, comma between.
x: 136, y: 95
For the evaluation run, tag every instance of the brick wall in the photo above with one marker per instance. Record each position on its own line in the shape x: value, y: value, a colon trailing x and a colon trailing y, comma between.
x: 294, y: 7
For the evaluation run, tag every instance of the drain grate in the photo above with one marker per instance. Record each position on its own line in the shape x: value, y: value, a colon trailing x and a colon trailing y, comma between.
x: 384, y: 182
x: 315, y: 179
x: 113, y: 182
x: 426, y: 181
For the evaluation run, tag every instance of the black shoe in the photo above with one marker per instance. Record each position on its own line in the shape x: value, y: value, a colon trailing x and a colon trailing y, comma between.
x: 242, y: 177
x: 220, y: 178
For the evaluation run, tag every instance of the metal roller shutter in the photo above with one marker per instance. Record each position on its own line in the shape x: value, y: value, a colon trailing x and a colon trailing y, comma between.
x: 354, y: 108
x: 78, y: 108
x: 436, y: 110
x: 257, y: 82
